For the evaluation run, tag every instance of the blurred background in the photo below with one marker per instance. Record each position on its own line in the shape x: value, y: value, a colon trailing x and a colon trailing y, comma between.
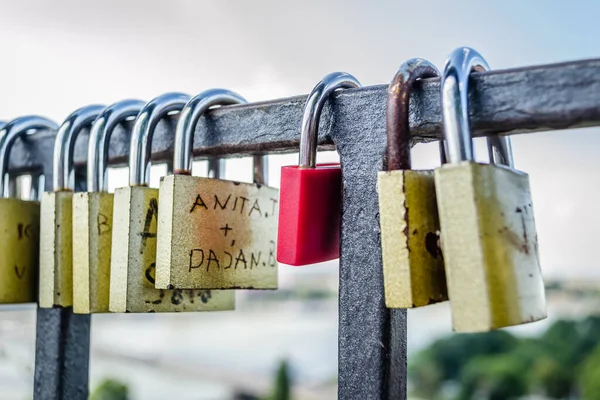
x: 60, y: 55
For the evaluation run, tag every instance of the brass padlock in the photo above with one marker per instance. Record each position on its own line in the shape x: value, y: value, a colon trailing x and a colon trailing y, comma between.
x: 489, y: 239
x: 19, y: 221
x: 213, y: 233
x: 413, y: 266
x: 133, y: 263
x: 92, y: 215
x: 56, y: 224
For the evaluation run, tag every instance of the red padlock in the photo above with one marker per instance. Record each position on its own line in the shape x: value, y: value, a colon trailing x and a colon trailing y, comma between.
x: 310, y: 194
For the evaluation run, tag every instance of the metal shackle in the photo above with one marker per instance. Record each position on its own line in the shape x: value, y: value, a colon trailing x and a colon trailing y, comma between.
x: 8, y: 134
x: 186, y: 125
x: 312, y: 113
x: 455, y: 110
x: 99, y: 143
x: 140, y: 151
x: 64, y: 144
x: 397, y: 111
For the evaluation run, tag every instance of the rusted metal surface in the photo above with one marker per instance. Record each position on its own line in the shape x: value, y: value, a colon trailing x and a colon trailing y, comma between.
x: 507, y: 102
x: 397, y: 112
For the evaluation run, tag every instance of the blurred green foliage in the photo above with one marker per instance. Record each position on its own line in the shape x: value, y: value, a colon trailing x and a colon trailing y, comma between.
x: 564, y: 362
x: 282, y: 386
x: 589, y: 378
x: 110, y: 389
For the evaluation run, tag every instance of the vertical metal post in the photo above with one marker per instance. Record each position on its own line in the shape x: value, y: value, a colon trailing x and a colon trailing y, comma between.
x: 62, y: 340
x: 372, y: 338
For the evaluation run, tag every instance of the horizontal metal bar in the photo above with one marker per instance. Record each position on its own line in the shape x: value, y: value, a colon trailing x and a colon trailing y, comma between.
x: 507, y: 102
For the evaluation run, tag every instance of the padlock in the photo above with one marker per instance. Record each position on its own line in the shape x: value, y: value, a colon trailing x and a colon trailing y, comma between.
x: 19, y: 221
x: 135, y: 212
x: 310, y: 194
x: 92, y: 215
x: 56, y: 223
x: 213, y: 233
x: 489, y: 239
x: 413, y: 266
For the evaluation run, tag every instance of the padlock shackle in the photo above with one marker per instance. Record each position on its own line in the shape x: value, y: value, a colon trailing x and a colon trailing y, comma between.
x: 64, y: 144
x: 140, y: 151
x: 186, y: 126
x: 99, y: 142
x: 455, y: 109
x: 312, y: 113
x: 260, y: 169
x: 500, y: 150
x: 9, y: 132
x: 397, y: 112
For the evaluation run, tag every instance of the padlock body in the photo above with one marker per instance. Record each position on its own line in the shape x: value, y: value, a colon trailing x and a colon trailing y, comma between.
x: 216, y: 234
x: 309, y: 214
x: 56, y: 250
x: 413, y: 266
x: 133, y: 264
x: 92, y: 239
x: 19, y: 250
x: 489, y: 242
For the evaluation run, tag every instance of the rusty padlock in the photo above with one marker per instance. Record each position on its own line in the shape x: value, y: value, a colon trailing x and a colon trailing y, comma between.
x: 214, y: 233
x: 489, y: 240
x: 413, y: 266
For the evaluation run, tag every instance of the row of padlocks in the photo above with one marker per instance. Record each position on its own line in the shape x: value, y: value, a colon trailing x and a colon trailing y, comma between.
x: 463, y: 232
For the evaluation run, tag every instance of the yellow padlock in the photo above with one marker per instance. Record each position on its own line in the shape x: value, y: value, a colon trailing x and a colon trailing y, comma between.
x: 19, y: 221
x: 56, y: 224
x: 133, y: 263
x: 92, y: 215
x: 413, y: 266
x: 213, y: 233
x: 489, y: 240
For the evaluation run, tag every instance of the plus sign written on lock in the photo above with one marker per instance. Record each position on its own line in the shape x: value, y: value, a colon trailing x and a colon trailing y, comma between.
x: 231, y: 243
x: 226, y: 229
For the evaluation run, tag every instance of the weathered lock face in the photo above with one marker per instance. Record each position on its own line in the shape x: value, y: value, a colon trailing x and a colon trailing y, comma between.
x: 133, y: 265
x: 490, y: 246
x: 56, y: 251
x: 216, y: 234
x: 92, y: 233
x: 19, y: 250
x: 413, y: 266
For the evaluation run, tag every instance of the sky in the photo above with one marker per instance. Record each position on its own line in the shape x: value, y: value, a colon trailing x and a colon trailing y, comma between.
x: 58, y: 56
